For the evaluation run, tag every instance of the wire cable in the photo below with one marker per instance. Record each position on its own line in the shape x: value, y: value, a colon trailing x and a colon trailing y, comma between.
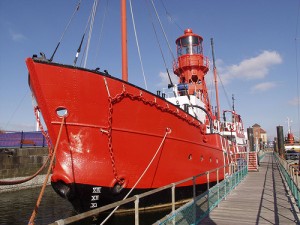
x: 137, y: 44
x: 93, y: 14
x: 163, y: 30
x: 66, y: 28
x: 297, y: 70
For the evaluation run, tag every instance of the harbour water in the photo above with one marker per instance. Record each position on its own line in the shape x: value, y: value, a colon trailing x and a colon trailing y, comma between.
x: 16, y: 208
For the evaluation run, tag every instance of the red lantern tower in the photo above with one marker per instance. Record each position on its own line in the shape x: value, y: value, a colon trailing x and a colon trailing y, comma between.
x: 191, y: 67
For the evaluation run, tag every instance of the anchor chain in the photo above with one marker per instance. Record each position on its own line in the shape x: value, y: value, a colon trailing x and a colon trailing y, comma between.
x: 46, y: 136
x: 110, y: 146
x: 124, y: 94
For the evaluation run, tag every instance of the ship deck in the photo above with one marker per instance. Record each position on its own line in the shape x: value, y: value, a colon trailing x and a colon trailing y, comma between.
x: 262, y: 198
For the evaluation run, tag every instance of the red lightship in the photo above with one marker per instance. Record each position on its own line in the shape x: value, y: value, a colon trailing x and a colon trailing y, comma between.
x: 113, y: 129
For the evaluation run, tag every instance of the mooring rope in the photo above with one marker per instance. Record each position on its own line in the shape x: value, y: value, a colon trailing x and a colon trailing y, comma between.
x: 13, y: 182
x: 168, y: 131
x: 23, y: 180
x: 34, y: 213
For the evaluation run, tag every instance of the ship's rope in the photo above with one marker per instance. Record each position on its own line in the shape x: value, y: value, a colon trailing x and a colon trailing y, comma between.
x: 124, y: 94
x: 168, y: 131
x: 14, y: 182
x: 137, y: 44
x: 34, y: 213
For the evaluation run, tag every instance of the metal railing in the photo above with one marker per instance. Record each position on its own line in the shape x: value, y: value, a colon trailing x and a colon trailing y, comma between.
x: 22, y: 139
x: 290, y: 174
x: 199, y: 207
x: 206, y: 201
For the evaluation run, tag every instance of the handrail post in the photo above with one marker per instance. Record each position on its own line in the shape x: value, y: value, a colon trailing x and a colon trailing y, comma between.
x: 235, y: 175
x: 207, y: 179
x: 136, y: 210
x: 225, y: 184
x: 173, y: 202
x: 194, y: 199
x: 173, y: 197
x: 293, y: 181
x: 194, y: 187
x: 218, y: 186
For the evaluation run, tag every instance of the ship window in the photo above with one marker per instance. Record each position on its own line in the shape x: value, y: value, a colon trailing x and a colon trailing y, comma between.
x: 61, y: 112
x: 190, y: 157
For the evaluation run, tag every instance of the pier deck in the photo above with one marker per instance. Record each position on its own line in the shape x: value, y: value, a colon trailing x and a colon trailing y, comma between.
x: 262, y: 198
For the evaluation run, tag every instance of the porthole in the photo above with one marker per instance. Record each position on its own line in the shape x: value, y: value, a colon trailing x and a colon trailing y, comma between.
x: 217, y: 161
x: 190, y: 157
x: 61, y: 112
x: 201, y: 158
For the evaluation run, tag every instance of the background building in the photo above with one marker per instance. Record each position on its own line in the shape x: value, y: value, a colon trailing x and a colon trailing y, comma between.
x: 260, y: 136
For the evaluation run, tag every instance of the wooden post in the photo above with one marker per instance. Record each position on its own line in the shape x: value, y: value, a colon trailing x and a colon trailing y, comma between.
x: 280, y: 139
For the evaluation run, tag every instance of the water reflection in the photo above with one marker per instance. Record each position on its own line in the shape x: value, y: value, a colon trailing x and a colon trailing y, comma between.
x: 16, y: 208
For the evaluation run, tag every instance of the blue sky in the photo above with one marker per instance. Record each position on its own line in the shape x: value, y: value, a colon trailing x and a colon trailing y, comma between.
x: 256, y: 48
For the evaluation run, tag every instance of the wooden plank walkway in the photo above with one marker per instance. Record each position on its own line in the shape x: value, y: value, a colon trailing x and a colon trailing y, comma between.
x: 262, y: 198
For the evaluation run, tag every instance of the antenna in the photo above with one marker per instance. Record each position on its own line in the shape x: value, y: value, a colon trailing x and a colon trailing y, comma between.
x: 232, y: 102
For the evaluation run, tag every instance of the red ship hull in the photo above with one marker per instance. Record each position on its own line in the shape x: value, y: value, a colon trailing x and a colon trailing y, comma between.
x: 112, y: 131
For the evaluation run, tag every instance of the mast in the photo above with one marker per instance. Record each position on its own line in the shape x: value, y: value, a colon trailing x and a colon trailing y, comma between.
x: 215, y: 78
x: 124, y: 41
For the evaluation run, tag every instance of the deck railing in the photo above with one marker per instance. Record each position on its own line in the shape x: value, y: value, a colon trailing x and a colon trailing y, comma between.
x: 22, y: 139
x: 290, y: 174
x: 200, y: 205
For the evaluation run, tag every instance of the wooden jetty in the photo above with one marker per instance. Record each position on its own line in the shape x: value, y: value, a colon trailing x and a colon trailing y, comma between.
x: 262, y: 198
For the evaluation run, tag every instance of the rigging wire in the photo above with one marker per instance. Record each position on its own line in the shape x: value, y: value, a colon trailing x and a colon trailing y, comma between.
x: 163, y: 30
x: 101, y: 29
x: 66, y: 28
x: 80, y: 45
x: 224, y: 90
x: 137, y: 44
x: 16, y: 109
x: 93, y: 14
x: 297, y: 70
x: 159, y: 45
x: 170, y: 17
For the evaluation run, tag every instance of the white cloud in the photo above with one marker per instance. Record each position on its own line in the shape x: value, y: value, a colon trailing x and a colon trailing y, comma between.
x: 253, y: 68
x: 295, y: 101
x: 264, y: 86
x: 164, y: 79
x: 16, y: 36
